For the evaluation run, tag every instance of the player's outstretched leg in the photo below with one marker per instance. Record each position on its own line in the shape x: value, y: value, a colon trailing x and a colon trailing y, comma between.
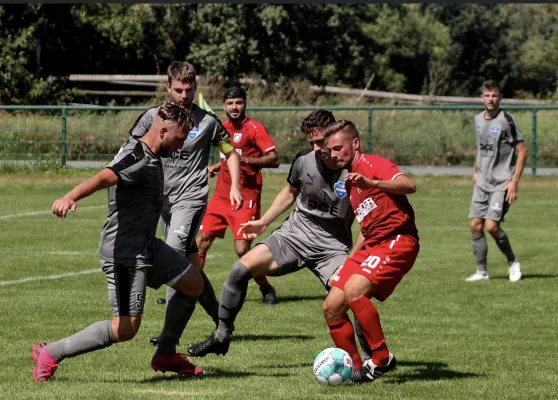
x: 47, y: 356
x: 233, y: 295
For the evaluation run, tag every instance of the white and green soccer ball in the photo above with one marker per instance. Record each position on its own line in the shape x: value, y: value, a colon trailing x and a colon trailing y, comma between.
x: 333, y: 367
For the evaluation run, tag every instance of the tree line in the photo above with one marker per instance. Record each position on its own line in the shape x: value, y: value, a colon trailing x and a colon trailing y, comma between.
x: 437, y: 49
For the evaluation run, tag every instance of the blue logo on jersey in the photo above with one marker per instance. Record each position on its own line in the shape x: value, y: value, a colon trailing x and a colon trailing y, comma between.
x: 495, y: 130
x: 340, y: 190
x: 194, y: 133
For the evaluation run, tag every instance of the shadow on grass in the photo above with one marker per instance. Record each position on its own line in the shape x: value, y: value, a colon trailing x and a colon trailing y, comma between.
x: 292, y: 299
x: 528, y: 276
x: 249, y: 337
x: 426, y: 371
x: 213, y: 373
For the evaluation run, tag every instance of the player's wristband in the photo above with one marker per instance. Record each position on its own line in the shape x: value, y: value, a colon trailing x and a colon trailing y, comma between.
x: 225, y: 147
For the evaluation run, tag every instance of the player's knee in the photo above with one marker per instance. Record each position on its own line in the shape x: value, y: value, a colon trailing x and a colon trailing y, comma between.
x: 125, y: 328
x: 492, y: 227
x: 354, y: 292
x: 333, y: 311
x: 190, y: 284
x: 476, y: 226
x: 203, y: 242
x: 241, y: 247
x: 239, y: 271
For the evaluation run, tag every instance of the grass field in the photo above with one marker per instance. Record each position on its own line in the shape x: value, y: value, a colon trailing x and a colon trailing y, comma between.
x: 453, y: 340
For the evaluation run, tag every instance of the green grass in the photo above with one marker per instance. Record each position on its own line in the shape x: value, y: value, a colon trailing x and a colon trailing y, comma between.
x: 409, y: 137
x: 453, y: 340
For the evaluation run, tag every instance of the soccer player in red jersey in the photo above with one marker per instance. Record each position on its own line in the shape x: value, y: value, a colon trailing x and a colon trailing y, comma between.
x: 389, y: 246
x: 256, y: 150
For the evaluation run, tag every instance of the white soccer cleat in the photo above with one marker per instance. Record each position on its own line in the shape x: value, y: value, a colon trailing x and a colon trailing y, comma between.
x: 515, y: 271
x: 478, y: 276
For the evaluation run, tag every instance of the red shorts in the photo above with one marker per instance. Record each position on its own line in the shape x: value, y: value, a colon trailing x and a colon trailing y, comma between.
x: 384, y: 264
x: 219, y: 215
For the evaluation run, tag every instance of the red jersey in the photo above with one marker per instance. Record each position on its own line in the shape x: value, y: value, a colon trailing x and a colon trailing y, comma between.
x: 250, y: 139
x: 380, y: 214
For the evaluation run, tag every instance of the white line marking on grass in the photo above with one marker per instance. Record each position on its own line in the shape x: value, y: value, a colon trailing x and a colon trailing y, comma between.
x: 48, y: 277
x: 28, y: 214
x: 55, y: 253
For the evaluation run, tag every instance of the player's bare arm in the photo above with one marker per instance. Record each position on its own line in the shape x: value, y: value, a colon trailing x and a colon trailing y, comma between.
x: 282, y: 202
x: 104, y: 179
x: 400, y: 185
x: 512, y: 186
x: 268, y: 160
x: 475, y: 171
x: 233, y: 162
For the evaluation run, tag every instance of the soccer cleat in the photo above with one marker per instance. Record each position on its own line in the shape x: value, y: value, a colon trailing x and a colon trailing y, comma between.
x: 209, y: 345
x: 269, y: 295
x: 45, y: 366
x: 478, y: 276
x: 154, y: 340
x: 515, y: 271
x: 369, y: 372
x: 162, y: 300
x: 176, y: 362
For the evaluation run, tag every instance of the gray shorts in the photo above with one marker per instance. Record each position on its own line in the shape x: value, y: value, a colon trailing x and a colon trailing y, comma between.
x: 489, y: 205
x: 127, y: 282
x: 292, y: 254
x: 181, y: 225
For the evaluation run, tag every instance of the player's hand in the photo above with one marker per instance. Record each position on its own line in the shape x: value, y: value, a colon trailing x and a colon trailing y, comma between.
x: 236, y: 198
x: 213, y: 170
x: 360, y: 181
x: 61, y: 206
x: 252, y: 229
x: 511, y: 196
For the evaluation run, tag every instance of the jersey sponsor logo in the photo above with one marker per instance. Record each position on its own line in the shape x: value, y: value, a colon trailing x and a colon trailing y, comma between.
x: 340, y: 190
x: 194, y: 133
x: 237, y: 137
x: 487, y: 149
x: 495, y: 130
x: 365, y: 208
x: 323, y: 207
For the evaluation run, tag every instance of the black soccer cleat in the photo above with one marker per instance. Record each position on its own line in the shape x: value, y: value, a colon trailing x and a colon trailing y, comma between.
x: 162, y: 300
x: 269, y: 295
x: 369, y: 372
x: 154, y: 341
x: 208, y: 346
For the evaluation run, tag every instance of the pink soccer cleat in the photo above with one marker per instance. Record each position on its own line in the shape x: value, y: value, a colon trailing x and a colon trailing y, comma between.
x: 176, y: 362
x: 45, y: 366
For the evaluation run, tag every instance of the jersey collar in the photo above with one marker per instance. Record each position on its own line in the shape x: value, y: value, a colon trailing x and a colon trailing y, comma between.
x: 356, y: 159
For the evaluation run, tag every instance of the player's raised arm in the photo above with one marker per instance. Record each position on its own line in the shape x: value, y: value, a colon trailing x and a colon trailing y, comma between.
x: 102, y: 180
x: 282, y: 202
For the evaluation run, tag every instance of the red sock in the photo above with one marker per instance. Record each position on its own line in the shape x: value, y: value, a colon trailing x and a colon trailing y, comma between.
x: 262, y: 282
x: 343, y: 335
x: 202, y: 258
x: 369, y: 320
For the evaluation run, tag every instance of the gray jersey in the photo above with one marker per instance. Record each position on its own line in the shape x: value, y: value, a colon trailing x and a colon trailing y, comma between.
x: 186, y: 169
x: 134, y: 206
x: 323, y: 211
x: 496, y: 139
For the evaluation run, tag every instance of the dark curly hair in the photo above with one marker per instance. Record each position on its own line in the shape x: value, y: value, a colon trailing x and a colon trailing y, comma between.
x: 316, y: 119
x: 177, y: 113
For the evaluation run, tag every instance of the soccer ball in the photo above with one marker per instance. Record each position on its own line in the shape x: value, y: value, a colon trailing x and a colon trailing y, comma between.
x: 333, y: 367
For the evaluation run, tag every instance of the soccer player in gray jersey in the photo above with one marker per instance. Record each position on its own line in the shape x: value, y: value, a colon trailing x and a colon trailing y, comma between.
x: 131, y: 255
x: 496, y: 174
x: 186, y: 177
x: 316, y: 235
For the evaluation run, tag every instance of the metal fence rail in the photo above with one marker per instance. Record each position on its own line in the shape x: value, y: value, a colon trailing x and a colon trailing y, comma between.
x: 81, y: 136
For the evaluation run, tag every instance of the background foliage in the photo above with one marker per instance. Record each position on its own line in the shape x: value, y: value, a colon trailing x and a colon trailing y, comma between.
x: 435, y: 49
